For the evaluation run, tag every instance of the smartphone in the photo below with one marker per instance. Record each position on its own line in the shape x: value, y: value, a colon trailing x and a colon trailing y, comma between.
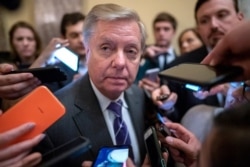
x: 153, y: 148
x: 66, y: 56
x: 152, y: 74
x: 112, y: 156
x: 163, y: 128
x: 200, y: 76
x: 44, y: 74
x: 39, y: 106
x: 72, y: 149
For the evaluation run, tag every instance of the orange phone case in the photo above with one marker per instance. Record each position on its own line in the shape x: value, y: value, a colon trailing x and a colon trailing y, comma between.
x: 40, y: 106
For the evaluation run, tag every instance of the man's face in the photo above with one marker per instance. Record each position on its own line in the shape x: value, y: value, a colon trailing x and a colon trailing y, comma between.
x: 215, y: 18
x: 113, y: 56
x: 24, y: 43
x: 75, y: 38
x: 163, y: 33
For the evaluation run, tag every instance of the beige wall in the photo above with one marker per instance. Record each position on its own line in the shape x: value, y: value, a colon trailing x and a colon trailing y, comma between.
x: 147, y: 9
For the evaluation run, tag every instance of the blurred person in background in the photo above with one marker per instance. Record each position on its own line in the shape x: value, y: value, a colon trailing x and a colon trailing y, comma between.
x: 189, y: 40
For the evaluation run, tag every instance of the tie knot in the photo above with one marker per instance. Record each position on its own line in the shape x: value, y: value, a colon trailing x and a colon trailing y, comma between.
x: 116, y: 107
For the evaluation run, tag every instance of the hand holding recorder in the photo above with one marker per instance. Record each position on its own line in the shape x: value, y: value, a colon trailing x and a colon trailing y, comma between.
x: 13, y: 86
x: 164, y: 98
x: 184, y: 147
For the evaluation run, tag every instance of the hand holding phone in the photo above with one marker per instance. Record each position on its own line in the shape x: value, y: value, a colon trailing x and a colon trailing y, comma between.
x: 43, y: 112
x: 44, y: 74
x: 163, y: 129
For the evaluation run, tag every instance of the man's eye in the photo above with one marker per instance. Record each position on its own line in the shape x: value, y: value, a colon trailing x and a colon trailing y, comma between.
x: 203, y: 21
x: 132, y: 54
x: 105, y: 48
x: 222, y: 15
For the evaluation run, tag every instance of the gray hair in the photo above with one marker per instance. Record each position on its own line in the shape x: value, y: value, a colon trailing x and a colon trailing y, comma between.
x: 111, y: 12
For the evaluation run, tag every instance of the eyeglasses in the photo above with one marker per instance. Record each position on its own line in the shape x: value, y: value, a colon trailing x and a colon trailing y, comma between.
x: 246, y: 90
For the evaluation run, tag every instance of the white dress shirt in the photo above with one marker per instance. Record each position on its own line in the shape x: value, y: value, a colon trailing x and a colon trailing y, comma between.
x: 109, y: 118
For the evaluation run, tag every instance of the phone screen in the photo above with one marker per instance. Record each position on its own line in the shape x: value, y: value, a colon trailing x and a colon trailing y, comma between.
x: 65, y: 56
x: 112, y: 156
x: 153, y: 148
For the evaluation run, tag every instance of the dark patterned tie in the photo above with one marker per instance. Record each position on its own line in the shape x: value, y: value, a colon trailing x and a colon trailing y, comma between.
x: 120, y: 128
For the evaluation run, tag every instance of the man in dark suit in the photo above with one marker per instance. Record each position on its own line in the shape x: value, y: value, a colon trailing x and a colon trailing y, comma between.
x: 114, y: 38
x: 212, y: 28
x: 161, y: 53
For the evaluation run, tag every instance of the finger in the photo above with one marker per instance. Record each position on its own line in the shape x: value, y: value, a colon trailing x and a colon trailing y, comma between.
x: 165, y: 89
x: 129, y: 163
x: 179, y: 130
x: 4, y: 68
x: 175, y: 154
x: 19, y: 89
x: 10, y: 79
x: 212, y: 58
x: 87, y: 164
x: 15, y: 133
x: 14, y: 161
x: 18, y: 148
x: 178, y: 144
x: 31, y: 160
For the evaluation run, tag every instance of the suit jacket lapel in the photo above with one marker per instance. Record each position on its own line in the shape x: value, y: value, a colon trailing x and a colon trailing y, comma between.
x: 89, y: 118
x: 136, y: 105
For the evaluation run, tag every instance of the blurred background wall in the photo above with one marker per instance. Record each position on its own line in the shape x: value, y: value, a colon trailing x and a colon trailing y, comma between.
x: 32, y: 10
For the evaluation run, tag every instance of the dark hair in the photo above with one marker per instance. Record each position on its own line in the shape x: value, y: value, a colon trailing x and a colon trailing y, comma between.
x: 22, y: 24
x: 70, y: 19
x: 199, y: 3
x: 166, y: 17
x: 231, y: 139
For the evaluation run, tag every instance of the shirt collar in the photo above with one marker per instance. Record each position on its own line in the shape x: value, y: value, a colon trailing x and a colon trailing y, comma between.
x: 103, y: 100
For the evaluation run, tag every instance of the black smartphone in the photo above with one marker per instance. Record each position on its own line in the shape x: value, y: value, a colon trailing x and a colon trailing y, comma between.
x: 153, y: 148
x: 115, y: 156
x: 71, y: 149
x: 44, y: 74
x: 199, y: 76
x: 66, y: 56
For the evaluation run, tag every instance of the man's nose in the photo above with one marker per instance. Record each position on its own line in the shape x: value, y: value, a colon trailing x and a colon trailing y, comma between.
x: 214, y: 23
x: 119, y: 59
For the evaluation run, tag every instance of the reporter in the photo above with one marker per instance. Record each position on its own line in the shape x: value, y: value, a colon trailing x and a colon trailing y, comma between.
x: 17, y: 154
x: 233, y: 49
x: 13, y: 86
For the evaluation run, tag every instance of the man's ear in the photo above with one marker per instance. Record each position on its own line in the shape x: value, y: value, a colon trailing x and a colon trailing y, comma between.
x: 240, y: 16
x: 87, y: 54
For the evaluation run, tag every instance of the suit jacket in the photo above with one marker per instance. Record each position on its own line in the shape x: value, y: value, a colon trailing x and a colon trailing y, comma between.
x: 186, y: 99
x: 149, y: 63
x: 84, y: 117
